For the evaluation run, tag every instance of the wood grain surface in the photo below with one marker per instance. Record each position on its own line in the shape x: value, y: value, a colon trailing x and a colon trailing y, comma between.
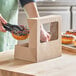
x: 62, y: 66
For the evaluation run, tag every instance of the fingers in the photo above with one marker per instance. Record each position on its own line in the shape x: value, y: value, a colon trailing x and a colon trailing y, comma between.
x: 2, y: 20
x: 1, y: 28
x: 44, y: 36
x: 49, y: 37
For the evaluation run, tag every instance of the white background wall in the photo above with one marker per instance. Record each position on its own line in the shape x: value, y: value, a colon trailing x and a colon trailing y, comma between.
x: 66, y: 0
x: 59, y: 0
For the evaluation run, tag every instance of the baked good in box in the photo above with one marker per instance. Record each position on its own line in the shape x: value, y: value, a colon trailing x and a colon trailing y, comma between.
x: 74, y: 42
x: 71, y: 32
x: 66, y: 39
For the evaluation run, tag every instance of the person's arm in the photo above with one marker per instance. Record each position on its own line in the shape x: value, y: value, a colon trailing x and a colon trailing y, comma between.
x: 32, y: 12
x: 30, y: 7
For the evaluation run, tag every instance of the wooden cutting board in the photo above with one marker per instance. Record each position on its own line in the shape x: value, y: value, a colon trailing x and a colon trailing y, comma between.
x: 62, y: 66
x: 70, y: 48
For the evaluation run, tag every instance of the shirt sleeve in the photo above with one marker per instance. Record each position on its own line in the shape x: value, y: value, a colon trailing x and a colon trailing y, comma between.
x: 24, y: 2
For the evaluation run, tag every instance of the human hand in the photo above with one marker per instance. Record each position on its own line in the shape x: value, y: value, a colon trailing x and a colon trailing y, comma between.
x: 2, y: 20
x: 44, y: 36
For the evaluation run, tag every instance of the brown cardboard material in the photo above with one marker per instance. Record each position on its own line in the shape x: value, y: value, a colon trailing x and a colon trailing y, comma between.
x: 36, y: 51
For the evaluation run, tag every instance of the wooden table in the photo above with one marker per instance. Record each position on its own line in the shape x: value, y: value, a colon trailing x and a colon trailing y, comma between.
x: 62, y: 66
